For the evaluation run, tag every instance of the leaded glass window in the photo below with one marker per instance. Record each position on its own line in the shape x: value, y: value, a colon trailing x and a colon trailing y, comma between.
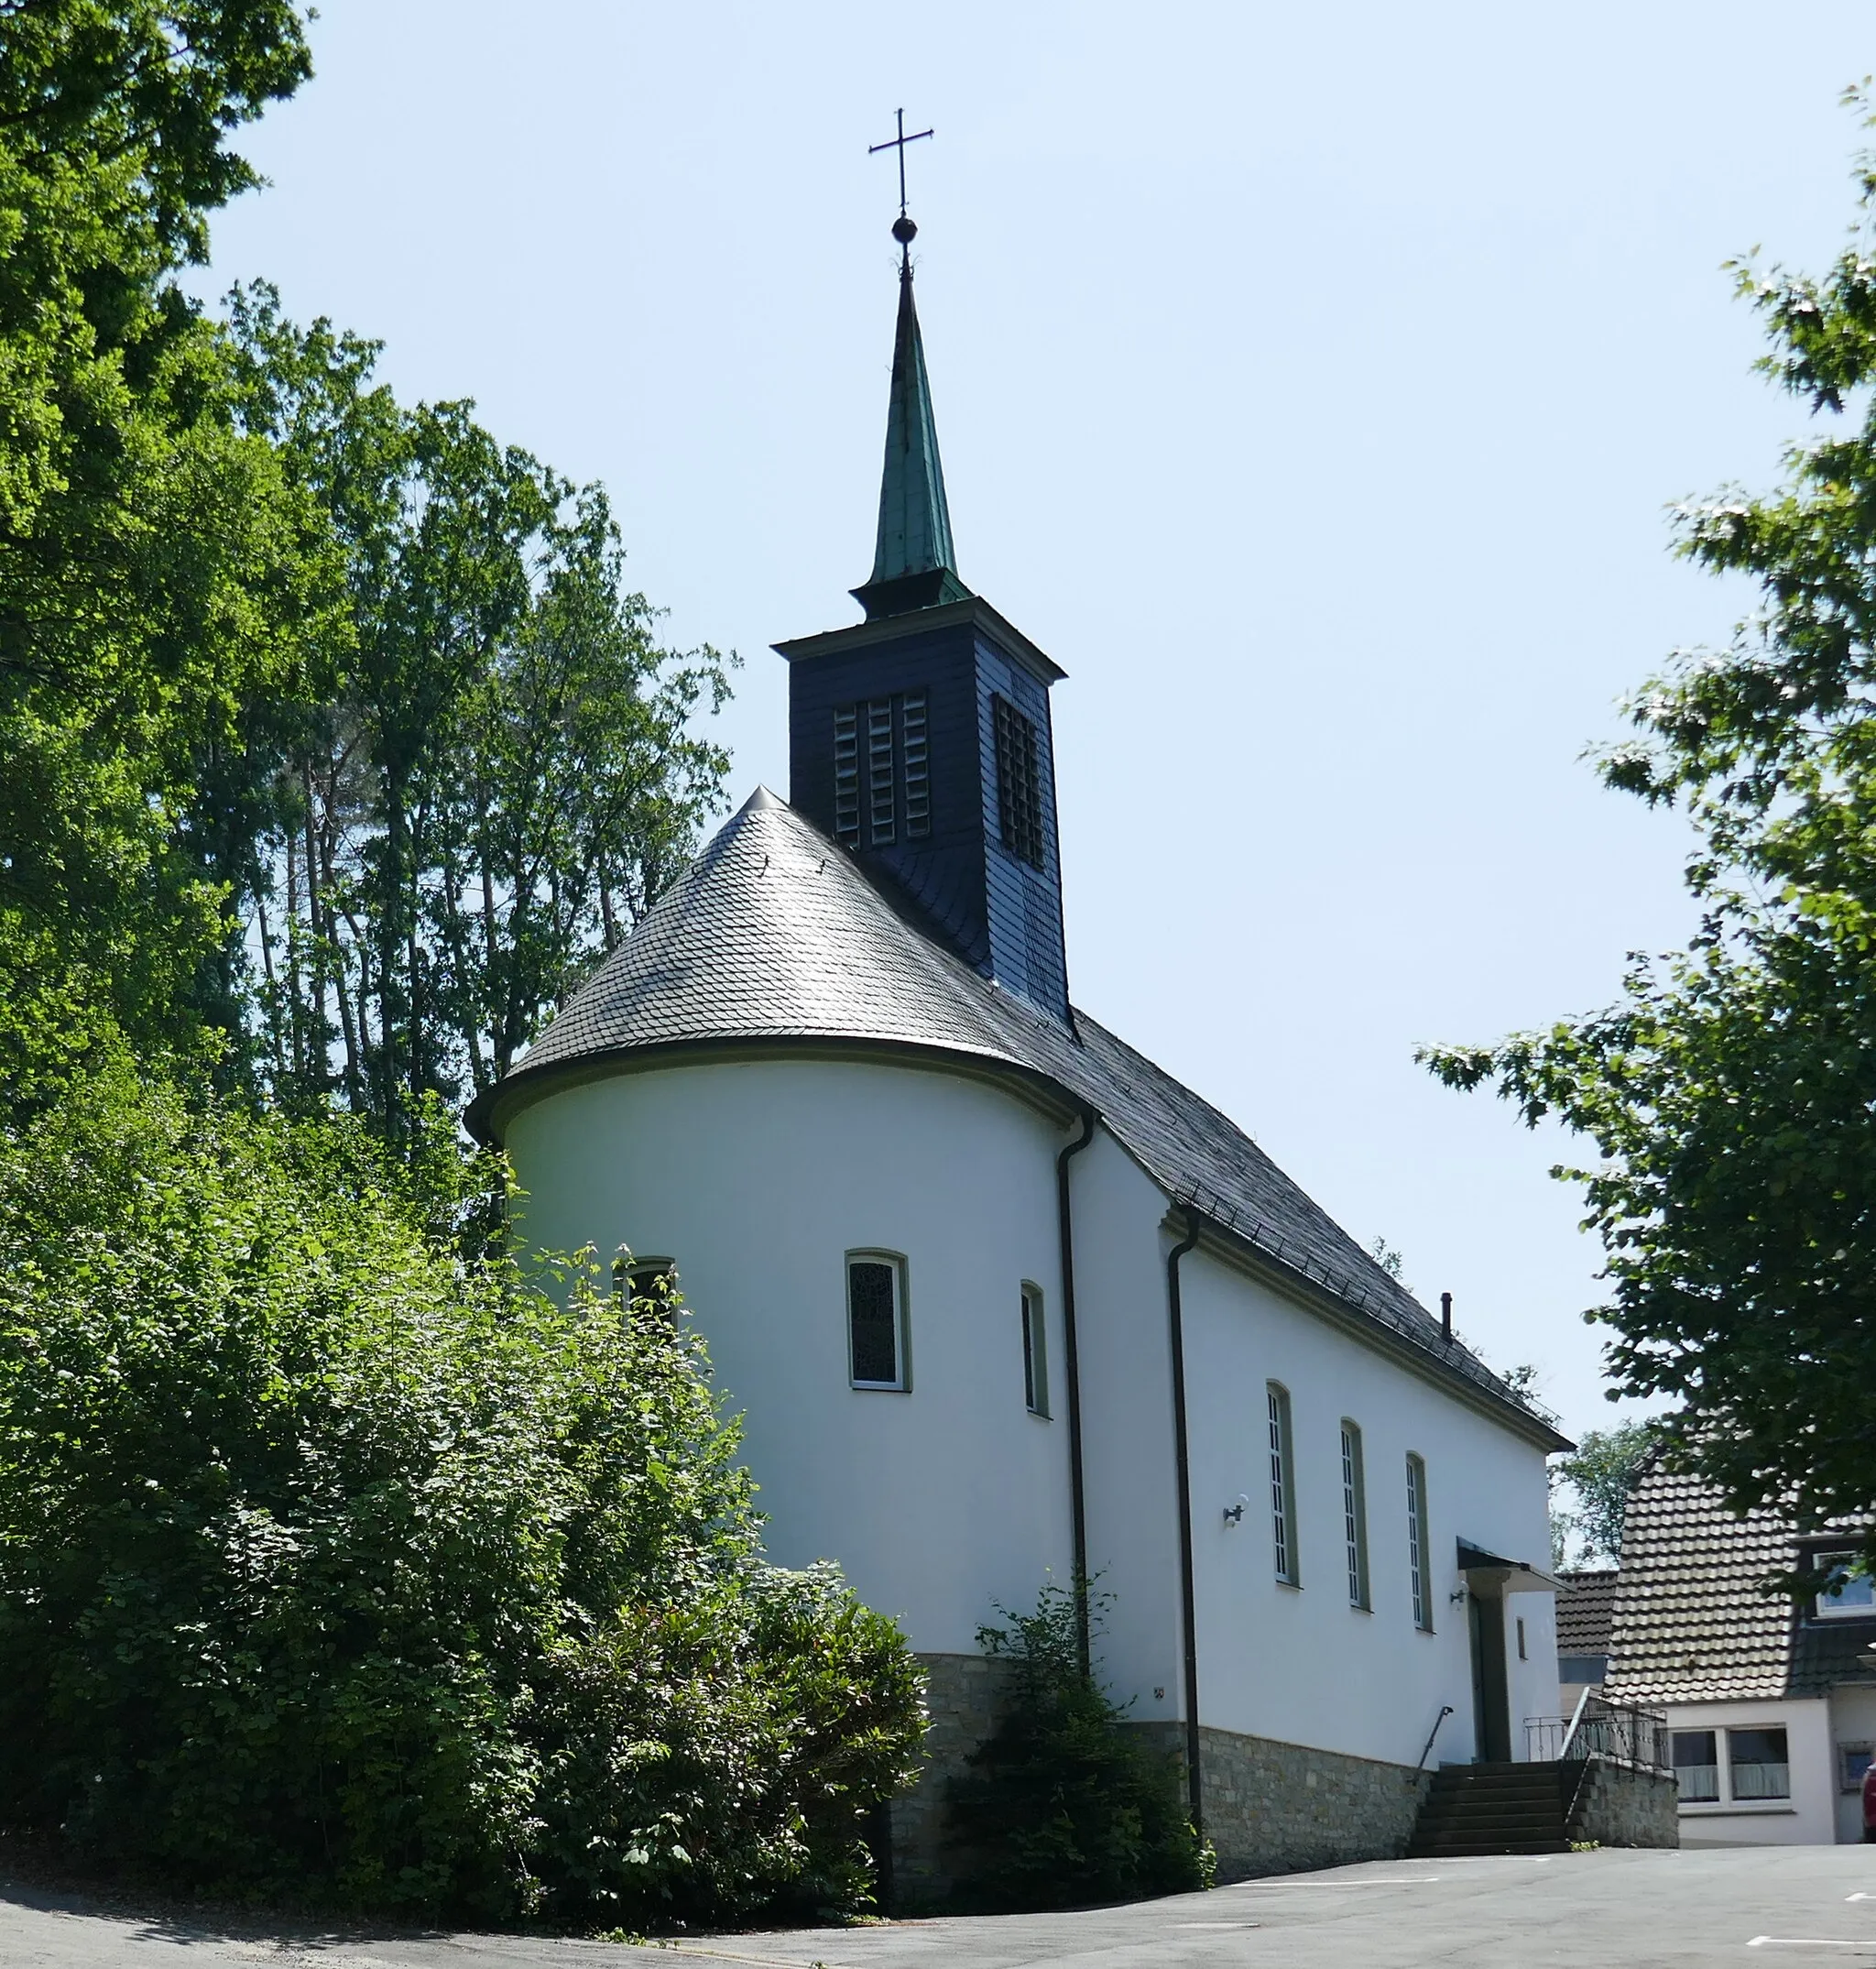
x: 875, y: 1319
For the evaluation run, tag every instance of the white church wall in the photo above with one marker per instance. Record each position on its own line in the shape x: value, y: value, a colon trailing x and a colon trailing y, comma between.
x: 1299, y: 1662
x: 1126, y: 1425
x: 756, y: 1178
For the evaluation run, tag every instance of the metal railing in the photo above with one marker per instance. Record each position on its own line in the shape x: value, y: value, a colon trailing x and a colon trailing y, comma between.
x: 1637, y: 1737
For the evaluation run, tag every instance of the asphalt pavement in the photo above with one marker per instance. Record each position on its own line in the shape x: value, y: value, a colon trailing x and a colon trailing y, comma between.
x: 1741, y: 1906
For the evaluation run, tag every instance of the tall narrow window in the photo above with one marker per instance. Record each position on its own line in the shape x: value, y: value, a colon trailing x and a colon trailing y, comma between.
x: 1282, y: 1484
x: 1355, y: 1514
x: 1035, y: 1352
x: 1419, y: 1548
x: 875, y: 1319
x: 1018, y: 785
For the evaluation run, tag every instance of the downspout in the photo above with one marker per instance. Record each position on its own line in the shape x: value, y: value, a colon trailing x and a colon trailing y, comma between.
x: 1188, y: 1608
x: 1071, y: 1364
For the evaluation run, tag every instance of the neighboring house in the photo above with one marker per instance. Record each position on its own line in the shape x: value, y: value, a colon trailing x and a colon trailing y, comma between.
x: 1771, y: 1708
x: 1586, y: 1606
x: 998, y: 1296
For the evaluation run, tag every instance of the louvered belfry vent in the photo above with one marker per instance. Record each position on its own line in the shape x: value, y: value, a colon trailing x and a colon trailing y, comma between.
x: 886, y: 778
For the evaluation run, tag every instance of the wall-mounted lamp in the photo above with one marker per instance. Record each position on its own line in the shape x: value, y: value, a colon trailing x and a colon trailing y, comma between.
x: 1234, y: 1514
x: 1458, y: 1594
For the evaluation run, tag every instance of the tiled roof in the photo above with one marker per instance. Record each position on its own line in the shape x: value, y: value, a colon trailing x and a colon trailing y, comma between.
x: 774, y: 933
x: 1689, y: 1625
x: 1585, y: 1605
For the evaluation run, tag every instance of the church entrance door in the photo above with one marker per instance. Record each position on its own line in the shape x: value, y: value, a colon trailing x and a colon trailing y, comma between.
x: 1491, y: 1713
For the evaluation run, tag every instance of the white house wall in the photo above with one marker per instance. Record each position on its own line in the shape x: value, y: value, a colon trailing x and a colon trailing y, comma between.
x: 1808, y: 1818
x: 756, y: 1178
x: 1298, y: 1663
x: 1852, y: 1721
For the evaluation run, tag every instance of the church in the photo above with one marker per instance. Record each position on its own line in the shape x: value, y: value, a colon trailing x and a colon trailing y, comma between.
x: 1001, y: 1302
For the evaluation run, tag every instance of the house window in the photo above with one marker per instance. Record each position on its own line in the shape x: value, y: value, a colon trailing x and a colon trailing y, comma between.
x: 1852, y: 1590
x: 1419, y: 1546
x: 1852, y: 1761
x: 1018, y: 785
x: 1696, y: 1766
x: 876, y: 1322
x: 1282, y: 1484
x: 882, y: 771
x: 1758, y: 1765
x: 1353, y: 1515
x: 1035, y: 1353
x: 1522, y: 1654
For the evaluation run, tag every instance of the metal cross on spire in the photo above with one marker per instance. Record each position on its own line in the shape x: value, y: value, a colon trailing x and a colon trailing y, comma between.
x: 904, y: 229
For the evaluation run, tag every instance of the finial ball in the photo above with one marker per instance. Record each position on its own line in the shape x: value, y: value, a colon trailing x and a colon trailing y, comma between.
x: 904, y: 230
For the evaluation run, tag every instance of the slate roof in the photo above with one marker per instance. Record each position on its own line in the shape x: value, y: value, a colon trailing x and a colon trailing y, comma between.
x: 1689, y: 1625
x: 1586, y: 1607
x: 775, y: 932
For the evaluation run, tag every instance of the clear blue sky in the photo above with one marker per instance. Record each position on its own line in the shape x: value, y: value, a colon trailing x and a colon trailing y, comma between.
x: 1312, y: 382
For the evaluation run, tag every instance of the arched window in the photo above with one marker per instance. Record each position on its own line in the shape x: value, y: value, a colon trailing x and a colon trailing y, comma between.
x: 648, y: 1283
x: 1282, y: 1486
x: 1355, y: 1514
x: 878, y: 1354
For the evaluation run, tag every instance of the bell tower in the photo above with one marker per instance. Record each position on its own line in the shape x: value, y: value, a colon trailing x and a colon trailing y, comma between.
x: 920, y: 739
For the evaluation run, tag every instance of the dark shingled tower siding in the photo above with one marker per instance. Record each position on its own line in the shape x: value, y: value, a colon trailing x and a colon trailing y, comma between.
x: 1002, y: 916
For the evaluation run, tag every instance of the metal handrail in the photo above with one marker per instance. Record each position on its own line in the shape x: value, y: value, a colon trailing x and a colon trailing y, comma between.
x: 1576, y: 1719
x: 1617, y: 1732
x: 1432, y: 1732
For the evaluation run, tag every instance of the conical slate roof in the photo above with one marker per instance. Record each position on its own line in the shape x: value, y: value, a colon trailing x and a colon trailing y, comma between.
x: 771, y: 933
x: 775, y: 936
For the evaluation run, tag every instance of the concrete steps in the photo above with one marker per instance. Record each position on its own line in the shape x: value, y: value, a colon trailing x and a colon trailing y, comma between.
x: 1476, y: 1809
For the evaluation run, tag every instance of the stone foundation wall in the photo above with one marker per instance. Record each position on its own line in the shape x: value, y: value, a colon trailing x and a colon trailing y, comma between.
x: 962, y: 1695
x: 1271, y: 1807
x: 1616, y: 1806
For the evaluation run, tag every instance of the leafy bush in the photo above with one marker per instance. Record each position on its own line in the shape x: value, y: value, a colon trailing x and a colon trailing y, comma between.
x: 336, y: 1565
x: 1066, y: 1803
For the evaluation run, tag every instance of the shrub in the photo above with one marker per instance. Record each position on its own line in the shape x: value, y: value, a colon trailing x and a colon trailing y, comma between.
x: 337, y: 1567
x: 1065, y: 1803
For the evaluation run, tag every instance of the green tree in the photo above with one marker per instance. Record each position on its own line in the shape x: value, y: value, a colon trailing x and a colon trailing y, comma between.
x: 154, y: 565
x: 338, y: 1566
x: 1065, y: 1803
x: 491, y: 773
x: 1600, y: 1471
x: 1728, y: 1093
